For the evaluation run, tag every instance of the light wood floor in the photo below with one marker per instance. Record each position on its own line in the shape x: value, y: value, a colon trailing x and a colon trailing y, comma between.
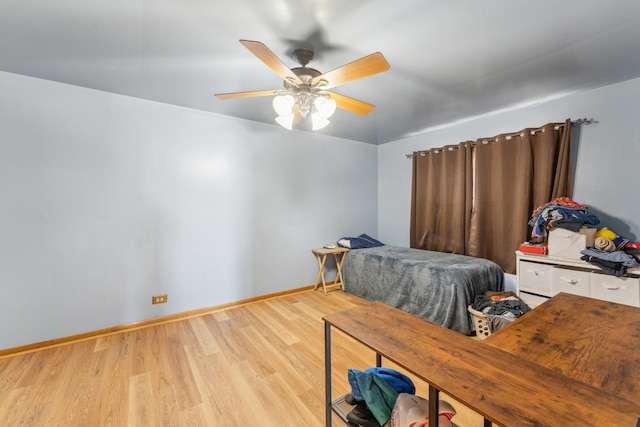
x: 257, y: 364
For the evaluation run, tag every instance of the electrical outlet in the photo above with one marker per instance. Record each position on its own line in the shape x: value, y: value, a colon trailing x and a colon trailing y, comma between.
x: 159, y: 299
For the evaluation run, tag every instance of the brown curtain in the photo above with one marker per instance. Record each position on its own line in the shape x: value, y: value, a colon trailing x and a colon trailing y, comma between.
x: 477, y: 198
x: 514, y: 174
x: 441, y: 198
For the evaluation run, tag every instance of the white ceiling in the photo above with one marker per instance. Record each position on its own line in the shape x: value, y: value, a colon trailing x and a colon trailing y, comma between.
x: 450, y: 59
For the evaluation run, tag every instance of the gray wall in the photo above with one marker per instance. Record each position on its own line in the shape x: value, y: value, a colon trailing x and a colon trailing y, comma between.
x: 108, y: 200
x: 606, y: 156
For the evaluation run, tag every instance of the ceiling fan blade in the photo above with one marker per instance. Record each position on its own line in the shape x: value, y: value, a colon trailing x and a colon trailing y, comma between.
x: 351, y: 104
x: 358, y: 69
x: 236, y: 95
x: 265, y: 54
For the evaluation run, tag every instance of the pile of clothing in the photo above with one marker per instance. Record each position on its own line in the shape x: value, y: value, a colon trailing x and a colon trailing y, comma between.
x: 561, y: 212
x: 380, y: 395
x: 608, y: 241
x: 500, y: 308
x: 611, y: 253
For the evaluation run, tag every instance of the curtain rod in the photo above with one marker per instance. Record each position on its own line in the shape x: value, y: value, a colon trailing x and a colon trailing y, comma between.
x: 576, y: 122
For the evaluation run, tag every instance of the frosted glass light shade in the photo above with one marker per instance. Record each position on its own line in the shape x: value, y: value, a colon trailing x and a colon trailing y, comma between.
x: 325, y: 106
x: 283, y: 105
x: 318, y: 122
x: 285, y: 121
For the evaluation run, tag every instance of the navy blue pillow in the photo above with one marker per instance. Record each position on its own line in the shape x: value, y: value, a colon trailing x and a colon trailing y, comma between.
x: 362, y: 241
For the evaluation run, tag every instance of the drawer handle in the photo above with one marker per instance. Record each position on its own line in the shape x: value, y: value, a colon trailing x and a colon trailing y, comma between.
x: 536, y: 272
x: 610, y: 287
x: 570, y: 281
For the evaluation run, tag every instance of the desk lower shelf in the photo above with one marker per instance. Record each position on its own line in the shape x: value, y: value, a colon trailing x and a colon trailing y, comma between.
x: 341, y: 407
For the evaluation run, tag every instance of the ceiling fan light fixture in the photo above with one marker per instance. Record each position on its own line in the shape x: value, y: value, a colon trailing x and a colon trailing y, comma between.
x: 304, y: 101
x: 299, y: 105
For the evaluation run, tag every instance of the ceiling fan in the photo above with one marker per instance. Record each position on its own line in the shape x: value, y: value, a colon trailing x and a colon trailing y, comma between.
x: 306, y: 90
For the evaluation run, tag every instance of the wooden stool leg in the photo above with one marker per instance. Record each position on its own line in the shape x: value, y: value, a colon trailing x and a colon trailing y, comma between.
x: 321, y: 261
x: 339, y: 279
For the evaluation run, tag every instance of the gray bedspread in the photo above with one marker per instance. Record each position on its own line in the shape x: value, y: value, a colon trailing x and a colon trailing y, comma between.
x: 435, y: 286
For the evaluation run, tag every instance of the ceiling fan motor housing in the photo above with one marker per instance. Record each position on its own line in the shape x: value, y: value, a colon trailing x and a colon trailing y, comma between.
x: 305, y: 74
x: 303, y: 55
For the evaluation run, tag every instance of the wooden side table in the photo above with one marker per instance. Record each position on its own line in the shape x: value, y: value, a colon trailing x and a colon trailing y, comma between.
x: 321, y: 255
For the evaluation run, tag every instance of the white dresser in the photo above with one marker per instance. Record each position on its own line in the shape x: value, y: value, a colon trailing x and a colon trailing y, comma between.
x: 540, y: 277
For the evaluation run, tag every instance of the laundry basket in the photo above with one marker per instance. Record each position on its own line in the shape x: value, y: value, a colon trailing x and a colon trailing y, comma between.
x: 480, y: 323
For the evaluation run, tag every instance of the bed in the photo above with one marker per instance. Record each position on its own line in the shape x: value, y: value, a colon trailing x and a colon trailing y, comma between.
x: 435, y: 286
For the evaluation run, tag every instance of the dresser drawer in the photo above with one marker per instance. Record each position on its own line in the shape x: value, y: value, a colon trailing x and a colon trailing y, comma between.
x: 535, y: 278
x: 623, y: 290
x: 577, y: 282
x: 532, y: 300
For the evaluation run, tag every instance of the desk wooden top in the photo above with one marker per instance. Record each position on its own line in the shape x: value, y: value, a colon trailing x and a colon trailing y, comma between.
x: 593, y: 341
x: 505, y: 389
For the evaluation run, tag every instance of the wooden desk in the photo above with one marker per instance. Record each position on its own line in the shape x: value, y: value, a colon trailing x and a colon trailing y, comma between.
x: 505, y: 389
x: 592, y: 341
x: 321, y: 255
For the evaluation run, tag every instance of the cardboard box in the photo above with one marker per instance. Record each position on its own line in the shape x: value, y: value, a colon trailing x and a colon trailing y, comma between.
x: 568, y: 244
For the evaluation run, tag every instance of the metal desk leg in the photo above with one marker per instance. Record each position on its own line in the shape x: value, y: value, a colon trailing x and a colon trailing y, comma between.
x: 327, y: 372
x: 434, y: 406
